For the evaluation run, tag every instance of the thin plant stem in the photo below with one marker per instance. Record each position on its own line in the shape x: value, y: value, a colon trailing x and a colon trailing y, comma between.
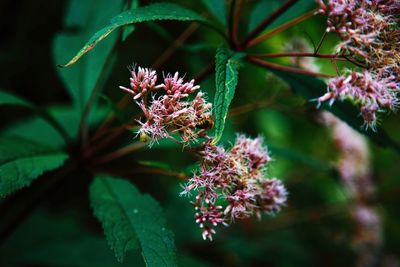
x: 295, y: 54
x: 204, y: 72
x: 336, y: 67
x: 279, y: 29
x: 235, y: 12
x: 83, y: 127
x: 179, y: 175
x: 53, y: 122
x: 266, y: 22
x: 136, y: 170
x: 355, y: 62
x: 320, y: 42
x: 119, y: 153
x: 270, y: 65
x: 175, y: 45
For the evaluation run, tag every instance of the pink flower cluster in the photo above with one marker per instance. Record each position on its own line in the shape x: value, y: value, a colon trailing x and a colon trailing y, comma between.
x: 173, y: 111
x: 232, y: 184
x: 370, y: 38
x: 372, y: 92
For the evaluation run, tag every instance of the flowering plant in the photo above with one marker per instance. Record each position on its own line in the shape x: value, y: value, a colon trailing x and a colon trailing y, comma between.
x: 284, y: 144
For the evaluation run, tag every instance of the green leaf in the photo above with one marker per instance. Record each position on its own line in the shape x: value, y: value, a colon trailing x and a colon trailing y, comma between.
x: 128, y: 29
x: 9, y: 99
x: 40, y: 130
x: 226, y: 78
x: 311, y: 88
x: 130, y: 218
x: 59, y: 240
x: 84, y: 17
x: 21, y: 161
x: 157, y: 11
x: 218, y: 9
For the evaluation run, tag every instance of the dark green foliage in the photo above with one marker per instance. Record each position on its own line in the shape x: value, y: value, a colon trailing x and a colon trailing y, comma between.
x: 226, y: 77
x: 218, y: 9
x: 62, y: 148
x: 130, y: 218
x: 59, y: 241
x: 22, y: 161
x: 7, y: 98
x: 159, y: 11
x: 81, y: 79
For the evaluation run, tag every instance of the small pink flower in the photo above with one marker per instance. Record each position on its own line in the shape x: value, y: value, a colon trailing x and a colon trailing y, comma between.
x: 273, y: 196
x: 371, y: 92
x: 234, y: 179
x: 250, y: 150
x: 174, y: 85
x: 142, y: 81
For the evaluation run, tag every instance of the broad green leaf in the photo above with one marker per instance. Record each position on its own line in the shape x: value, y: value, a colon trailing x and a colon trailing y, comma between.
x: 40, y: 130
x: 128, y: 29
x: 157, y: 11
x: 311, y: 88
x: 226, y: 77
x: 130, y: 218
x: 56, y: 240
x: 84, y: 17
x: 7, y: 98
x: 21, y: 161
x: 218, y: 9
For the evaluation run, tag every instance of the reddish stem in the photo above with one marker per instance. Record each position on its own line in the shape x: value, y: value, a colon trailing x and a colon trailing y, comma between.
x: 234, y: 25
x: 119, y: 153
x: 204, y: 72
x: 279, y: 29
x: 266, y: 22
x: 295, y: 54
x: 320, y: 42
x: 270, y: 65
